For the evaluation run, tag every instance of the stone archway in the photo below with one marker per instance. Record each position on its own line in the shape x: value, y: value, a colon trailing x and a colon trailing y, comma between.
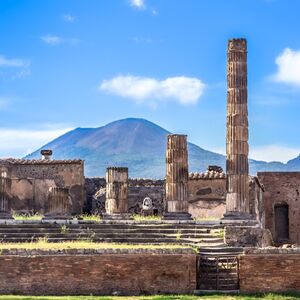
x: 281, y: 221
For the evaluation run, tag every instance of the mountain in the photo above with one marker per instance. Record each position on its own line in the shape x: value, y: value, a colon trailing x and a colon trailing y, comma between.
x: 140, y: 145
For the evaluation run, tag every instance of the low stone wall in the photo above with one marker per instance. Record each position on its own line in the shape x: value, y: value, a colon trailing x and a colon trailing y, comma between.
x: 85, y: 272
x: 270, y: 270
x: 247, y: 236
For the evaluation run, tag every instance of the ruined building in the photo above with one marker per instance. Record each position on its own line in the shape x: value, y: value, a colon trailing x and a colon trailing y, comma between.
x: 58, y: 188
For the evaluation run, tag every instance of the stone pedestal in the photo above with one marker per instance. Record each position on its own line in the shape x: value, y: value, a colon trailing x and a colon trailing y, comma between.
x: 116, y: 204
x: 237, y: 182
x: 5, y: 187
x: 58, y: 204
x: 177, y: 178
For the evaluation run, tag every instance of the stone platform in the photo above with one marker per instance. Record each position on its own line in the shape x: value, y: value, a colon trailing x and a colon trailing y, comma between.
x: 129, y: 232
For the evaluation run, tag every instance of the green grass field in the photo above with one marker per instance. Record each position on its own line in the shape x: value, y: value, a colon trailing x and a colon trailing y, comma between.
x: 160, y: 297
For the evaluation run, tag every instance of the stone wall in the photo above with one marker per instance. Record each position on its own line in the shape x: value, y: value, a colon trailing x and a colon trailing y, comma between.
x: 138, y: 190
x: 31, y: 181
x: 247, y: 236
x: 282, y: 187
x: 98, y: 274
x: 207, y: 197
x: 270, y: 272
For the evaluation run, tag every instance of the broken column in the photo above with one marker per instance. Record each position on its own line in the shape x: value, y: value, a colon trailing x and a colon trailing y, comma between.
x: 116, y: 204
x: 5, y: 188
x: 58, y: 203
x: 237, y: 185
x: 177, y: 177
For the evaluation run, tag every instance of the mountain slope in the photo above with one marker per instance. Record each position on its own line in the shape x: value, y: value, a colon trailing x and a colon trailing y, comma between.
x: 137, y: 144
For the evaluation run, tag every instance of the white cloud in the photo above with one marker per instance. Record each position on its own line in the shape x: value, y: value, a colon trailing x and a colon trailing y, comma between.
x: 19, y: 142
x: 52, y: 39
x: 140, y: 4
x: 288, y: 63
x: 13, y: 62
x: 185, y: 90
x: 273, y: 153
x: 69, y: 18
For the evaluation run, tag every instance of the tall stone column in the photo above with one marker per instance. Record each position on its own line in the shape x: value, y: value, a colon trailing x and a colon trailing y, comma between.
x: 5, y: 188
x: 237, y: 185
x: 116, y: 204
x: 58, y: 204
x: 177, y: 174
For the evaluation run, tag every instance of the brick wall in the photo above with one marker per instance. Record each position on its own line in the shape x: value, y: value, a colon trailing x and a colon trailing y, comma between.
x: 270, y: 272
x: 282, y: 187
x: 98, y: 274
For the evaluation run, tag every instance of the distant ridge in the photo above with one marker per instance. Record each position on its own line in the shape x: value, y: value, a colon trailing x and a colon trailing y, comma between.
x: 139, y: 145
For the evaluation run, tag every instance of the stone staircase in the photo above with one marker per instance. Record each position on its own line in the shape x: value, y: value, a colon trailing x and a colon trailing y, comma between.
x: 210, y: 236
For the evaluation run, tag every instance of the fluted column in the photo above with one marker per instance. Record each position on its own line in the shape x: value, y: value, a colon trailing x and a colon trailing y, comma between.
x: 177, y: 177
x: 116, y: 190
x: 58, y: 203
x: 237, y: 198
x: 5, y: 188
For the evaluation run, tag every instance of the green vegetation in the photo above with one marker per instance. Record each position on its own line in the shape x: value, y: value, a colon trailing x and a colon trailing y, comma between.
x: 159, y: 297
x: 27, y: 217
x: 43, y: 244
x: 146, y: 218
x: 64, y: 229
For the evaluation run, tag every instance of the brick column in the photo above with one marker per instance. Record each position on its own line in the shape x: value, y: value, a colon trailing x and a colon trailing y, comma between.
x: 58, y: 204
x: 5, y: 188
x: 177, y: 174
x: 237, y: 184
x: 116, y: 204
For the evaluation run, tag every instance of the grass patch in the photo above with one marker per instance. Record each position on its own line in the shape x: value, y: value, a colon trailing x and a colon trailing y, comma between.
x: 27, y: 217
x: 159, y: 297
x: 43, y: 244
x: 146, y: 218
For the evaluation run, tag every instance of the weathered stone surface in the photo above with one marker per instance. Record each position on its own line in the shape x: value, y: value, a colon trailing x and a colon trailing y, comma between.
x: 177, y: 174
x: 59, y: 203
x: 237, y: 199
x: 98, y: 274
x: 116, y: 190
x: 260, y: 273
x: 31, y: 180
x: 247, y: 236
x: 5, y: 191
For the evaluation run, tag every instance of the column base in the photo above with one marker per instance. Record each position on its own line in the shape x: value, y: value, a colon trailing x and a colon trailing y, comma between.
x: 233, y: 215
x: 238, y: 218
x: 120, y: 216
x: 6, y: 216
x: 177, y: 216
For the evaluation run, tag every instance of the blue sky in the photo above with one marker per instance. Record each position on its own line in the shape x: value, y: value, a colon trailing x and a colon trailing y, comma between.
x: 79, y: 63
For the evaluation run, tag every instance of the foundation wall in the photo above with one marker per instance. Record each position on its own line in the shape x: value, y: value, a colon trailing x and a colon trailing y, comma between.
x: 260, y: 273
x: 98, y: 274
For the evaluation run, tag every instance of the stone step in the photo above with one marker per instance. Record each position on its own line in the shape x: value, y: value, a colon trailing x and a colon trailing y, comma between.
x: 112, y: 226
x: 108, y: 240
x: 230, y: 251
x: 108, y: 230
x: 109, y: 235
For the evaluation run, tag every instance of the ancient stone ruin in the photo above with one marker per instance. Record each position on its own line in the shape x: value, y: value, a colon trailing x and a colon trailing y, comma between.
x: 237, y: 168
x: 177, y: 177
x: 236, y: 232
